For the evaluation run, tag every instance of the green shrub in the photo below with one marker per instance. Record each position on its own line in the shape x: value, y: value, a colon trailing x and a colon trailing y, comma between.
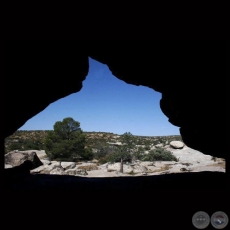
x: 159, y: 154
x: 138, y: 154
x: 103, y: 150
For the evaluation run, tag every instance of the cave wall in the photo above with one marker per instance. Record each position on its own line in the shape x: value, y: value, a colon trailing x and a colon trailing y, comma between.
x: 189, y: 74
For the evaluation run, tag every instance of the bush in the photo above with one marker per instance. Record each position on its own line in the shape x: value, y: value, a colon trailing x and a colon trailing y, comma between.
x: 87, y: 154
x: 159, y: 154
x: 88, y: 167
x: 15, y: 146
x: 103, y: 150
x: 139, y: 153
x: 103, y: 160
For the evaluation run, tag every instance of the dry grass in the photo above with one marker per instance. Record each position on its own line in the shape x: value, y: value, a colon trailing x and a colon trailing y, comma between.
x: 88, y: 167
x: 163, y: 168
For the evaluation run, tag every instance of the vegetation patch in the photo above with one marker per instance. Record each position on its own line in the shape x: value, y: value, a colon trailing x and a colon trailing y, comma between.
x: 158, y: 154
x: 68, y: 142
x: 88, y: 167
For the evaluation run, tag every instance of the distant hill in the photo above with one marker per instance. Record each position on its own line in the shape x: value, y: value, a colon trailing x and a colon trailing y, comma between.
x: 34, y: 139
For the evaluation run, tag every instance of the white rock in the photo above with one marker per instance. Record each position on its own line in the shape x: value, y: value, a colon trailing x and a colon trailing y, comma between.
x: 46, y: 162
x: 146, y: 163
x: 43, y: 169
x: 208, y: 168
x: 177, y: 144
x: 169, y: 162
x: 68, y: 165
x: 127, y: 168
x: 188, y: 155
x: 57, y: 171
x: 159, y: 164
x: 7, y: 166
x: 140, y: 169
x: 176, y: 169
x: 152, y: 169
x: 39, y: 169
x: 104, y: 166
x: 113, y: 167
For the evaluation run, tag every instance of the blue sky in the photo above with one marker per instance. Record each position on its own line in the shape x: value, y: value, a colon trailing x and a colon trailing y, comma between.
x: 107, y: 104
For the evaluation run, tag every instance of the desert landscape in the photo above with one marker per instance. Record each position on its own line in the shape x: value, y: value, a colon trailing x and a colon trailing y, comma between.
x: 187, y: 160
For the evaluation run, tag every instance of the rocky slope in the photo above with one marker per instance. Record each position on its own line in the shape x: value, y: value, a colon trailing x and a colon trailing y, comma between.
x: 189, y: 160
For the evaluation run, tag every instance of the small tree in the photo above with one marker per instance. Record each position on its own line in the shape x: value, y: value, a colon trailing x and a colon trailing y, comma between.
x: 67, y: 141
x: 124, y: 153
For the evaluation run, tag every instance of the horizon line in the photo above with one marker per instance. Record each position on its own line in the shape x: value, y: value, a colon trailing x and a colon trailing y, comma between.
x: 31, y: 130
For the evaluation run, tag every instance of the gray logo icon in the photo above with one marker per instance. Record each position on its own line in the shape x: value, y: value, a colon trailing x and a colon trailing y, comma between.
x: 201, y: 220
x: 219, y: 220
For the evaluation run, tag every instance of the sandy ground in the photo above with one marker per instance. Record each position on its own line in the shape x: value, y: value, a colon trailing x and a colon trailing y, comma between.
x: 104, y: 173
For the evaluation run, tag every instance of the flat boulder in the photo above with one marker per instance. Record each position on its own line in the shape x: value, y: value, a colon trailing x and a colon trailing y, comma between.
x: 140, y: 169
x: 68, y: 165
x: 113, y: 167
x: 116, y: 167
x: 177, y: 144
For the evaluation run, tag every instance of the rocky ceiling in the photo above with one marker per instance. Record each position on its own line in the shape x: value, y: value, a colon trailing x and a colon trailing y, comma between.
x: 189, y: 74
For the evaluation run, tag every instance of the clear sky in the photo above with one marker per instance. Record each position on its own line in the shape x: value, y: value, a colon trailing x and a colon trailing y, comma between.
x: 107, y: 104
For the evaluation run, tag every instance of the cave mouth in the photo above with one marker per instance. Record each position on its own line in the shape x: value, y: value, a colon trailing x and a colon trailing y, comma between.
x: 177, y: 69
x: 121, y: 102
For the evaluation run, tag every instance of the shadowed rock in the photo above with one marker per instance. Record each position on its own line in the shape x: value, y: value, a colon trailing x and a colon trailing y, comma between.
x: 16, y: 158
